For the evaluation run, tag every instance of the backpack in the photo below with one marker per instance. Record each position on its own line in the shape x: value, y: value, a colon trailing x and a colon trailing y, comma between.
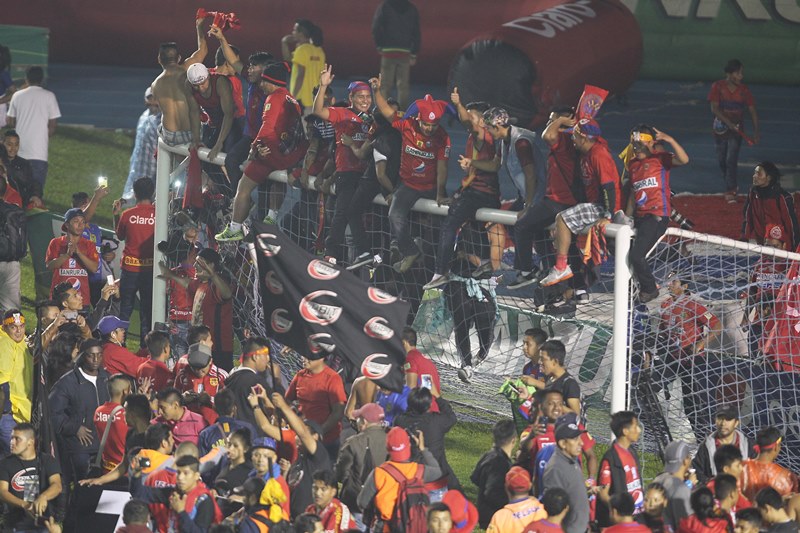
x: 281, y: 527
x: 410, y: 509
x: 13, y: 233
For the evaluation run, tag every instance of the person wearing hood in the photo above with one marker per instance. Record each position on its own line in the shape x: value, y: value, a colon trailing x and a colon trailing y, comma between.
x: 395, y: 30
x: 768, y: 203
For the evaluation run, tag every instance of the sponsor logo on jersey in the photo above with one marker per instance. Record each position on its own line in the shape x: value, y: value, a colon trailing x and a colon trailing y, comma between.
x: 410, y: 150
x: 647, y: 183
x: 319, y: 313
x: 420, y: 168
x: 377, y: 328
x: 147, y: 221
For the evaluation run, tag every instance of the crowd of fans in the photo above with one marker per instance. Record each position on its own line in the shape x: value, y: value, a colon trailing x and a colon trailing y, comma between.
x: 204, y: 443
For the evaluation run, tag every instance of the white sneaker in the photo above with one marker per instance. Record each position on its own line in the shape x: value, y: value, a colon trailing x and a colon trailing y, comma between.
x: 556, y: 276
x: 465, y: 374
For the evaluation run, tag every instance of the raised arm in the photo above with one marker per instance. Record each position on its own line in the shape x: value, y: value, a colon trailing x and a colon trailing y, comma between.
x: 380, y: 101
x: 227, y: 51
x: 680, y: 157
x: 325, y: 79
x: 199, y: 55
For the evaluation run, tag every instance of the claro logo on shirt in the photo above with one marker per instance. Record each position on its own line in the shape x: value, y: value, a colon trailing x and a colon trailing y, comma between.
x: 147, y: 221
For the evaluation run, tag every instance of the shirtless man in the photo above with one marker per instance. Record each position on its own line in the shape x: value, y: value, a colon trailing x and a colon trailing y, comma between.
x: 170, y: 90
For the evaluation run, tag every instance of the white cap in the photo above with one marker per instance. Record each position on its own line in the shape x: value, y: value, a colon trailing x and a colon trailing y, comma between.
x: 197, y: 74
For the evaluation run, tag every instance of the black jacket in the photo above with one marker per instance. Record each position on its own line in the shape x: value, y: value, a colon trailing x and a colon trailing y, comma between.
x: 20, y: 176
x: 434, y: 427
x: 618, y: 482
x: 73, y: 401
x: 395, y: 26
x: 703, y: 461
x: 490, y: 478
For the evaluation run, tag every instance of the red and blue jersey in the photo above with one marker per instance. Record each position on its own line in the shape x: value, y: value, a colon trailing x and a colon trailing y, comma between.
x: 650, y: 182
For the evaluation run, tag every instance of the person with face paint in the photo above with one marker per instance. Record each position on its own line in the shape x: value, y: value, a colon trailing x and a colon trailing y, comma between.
x: 649, y: 201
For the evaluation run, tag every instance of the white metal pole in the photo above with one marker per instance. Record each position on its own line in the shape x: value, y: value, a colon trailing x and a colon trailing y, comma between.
x: 622, y: 278
x: 164, y: 160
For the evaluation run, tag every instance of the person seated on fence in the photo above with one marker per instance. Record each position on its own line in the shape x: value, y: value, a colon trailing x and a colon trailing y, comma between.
x: 379, y: 496
x: 652, y: 515
x: 768, y: 203
x: 192, y: 506
x: 707, y: 516
x: 30, y: 481
x: 490, y: 471
x: 770, y: 503
x: 748, y: 521
x: 73, y: 401
x: 762, y: 471
x: 279, y: 145
x: 553, y: 356
x: 184, y: 424
x: 199, y: 381
x: 603, y: 198
x: 728, y: 460
x: 71, y: 257
x: 116, y: 357
x: 423, y: 167
x: 676, y: 480
x: 112, y: 412
x: 312, y: 456
x: 564, y: 471
x: 16, y: 370
x: 727, y: 433
x: 522, y: 508
x: 334, y: 514
x: 480, y: 187
x: 435, y: 427
x: 620, y: 470
x: 321, y: 143
x: 319, y: 393
x: 227, y: 421
x: 155, y: 369
x: 649, y: 200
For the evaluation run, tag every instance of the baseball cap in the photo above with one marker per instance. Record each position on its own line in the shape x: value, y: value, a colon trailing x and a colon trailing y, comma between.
x: 70, y: 214
x: 371, y: 412
x: 197, y: 73
x: 199, y: 355
x: 568, y: 431
x: 398, y: 445
x: 588, y: 127
x: 517, y: 480
x: 463, y: 513
x: 109, y: 323
x: 675, y: 454
x: 728, y: 411
x: 496, y: 116
x: 265, y: 442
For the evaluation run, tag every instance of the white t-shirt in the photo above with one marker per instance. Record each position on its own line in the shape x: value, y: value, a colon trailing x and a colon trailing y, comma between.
x: 33, y: 107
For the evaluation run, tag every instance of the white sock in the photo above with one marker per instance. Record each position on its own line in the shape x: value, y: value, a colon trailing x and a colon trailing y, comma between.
x: 235, y: 226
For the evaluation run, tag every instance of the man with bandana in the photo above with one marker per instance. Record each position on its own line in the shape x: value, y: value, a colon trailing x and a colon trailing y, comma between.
x: 423, y: 167
x: 601, y: 183
x: 649, y: 200
x: 16, y: 376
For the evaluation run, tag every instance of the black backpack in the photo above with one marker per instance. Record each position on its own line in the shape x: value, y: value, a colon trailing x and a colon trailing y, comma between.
x: 13, y: 232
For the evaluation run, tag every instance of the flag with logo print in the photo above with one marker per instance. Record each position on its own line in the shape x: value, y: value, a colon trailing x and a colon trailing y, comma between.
x: 317, y: 308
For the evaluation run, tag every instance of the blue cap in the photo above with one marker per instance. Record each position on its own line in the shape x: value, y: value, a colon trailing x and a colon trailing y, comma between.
x: 70, y: 214
x: 109, y: 323
x: 265, y: 442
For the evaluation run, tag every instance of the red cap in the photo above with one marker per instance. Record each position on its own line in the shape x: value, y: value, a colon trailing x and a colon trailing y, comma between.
x: 398, y: 445
x: 371, y: 412
x: 776, y: 232
x: 463, y: 513
x: 430, y: 110
x: 518, y: 480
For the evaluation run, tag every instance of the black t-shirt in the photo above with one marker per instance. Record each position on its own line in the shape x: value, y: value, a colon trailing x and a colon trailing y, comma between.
x: 26, y: 480
x: 785, y: 527
x: 236, y: 476
x: 133, y: 440
x: 300, y: 478
x: 240, y: 382
x: 568, y: 386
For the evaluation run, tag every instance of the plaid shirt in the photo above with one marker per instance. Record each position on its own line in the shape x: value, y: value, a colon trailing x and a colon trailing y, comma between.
x: 143, y: 161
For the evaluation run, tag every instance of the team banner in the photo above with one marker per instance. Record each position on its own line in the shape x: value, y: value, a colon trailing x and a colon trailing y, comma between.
x: 319, y: 309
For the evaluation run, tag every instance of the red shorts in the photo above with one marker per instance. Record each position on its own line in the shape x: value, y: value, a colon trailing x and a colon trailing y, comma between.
x: 259, y: 170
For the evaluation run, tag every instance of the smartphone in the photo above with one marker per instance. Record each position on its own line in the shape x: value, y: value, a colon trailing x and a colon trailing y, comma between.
x: 71, y: 315
x: 110, y: 279
x: 102, y: 181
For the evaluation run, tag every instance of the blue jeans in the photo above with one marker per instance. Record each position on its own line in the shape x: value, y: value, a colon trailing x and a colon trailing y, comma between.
x: 403, y: 200
x: 7, y: 424
x: 39, y: 169
x: 728, y: 159
x: 461, y: 210
x: 131, y: 283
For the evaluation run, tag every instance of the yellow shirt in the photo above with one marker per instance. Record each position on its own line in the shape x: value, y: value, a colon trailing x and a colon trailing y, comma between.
x: 16, y: 369
x: 515, y: 516
x: 312, y: 59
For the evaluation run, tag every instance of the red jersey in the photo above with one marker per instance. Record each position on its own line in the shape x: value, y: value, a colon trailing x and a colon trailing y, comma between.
x: 159, y: 373
x: 118, y: 359
x: 424, y: 368
x: 186, y: 380
x: 542, y: 526
x: 335, y: 517
x: 12, y: 196
x: 137, y: 227
x: 633, y: 478
x: 481, y: 180
x: 685, y: 320
x: 316, y: 394
x: 211, y: 105
x: 692, y: 524
x: 161, y: 478
x: 650, y: 182
x: 180, y: 300
x: 757, y: 475
x: 598, y: 169
x: 741, y: 503
x: 732, y: 102
x: 561, y: 164
x: 236, y: 88
x: 628, y: 527
x: 114, y: 451
x: 282, y: 130
x: 420, y: 154
x: 210, y: 309
x: 72, y: 270
x: 346, y: 122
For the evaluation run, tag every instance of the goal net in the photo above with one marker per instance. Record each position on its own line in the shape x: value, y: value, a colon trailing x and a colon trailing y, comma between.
x: 724, y: 330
